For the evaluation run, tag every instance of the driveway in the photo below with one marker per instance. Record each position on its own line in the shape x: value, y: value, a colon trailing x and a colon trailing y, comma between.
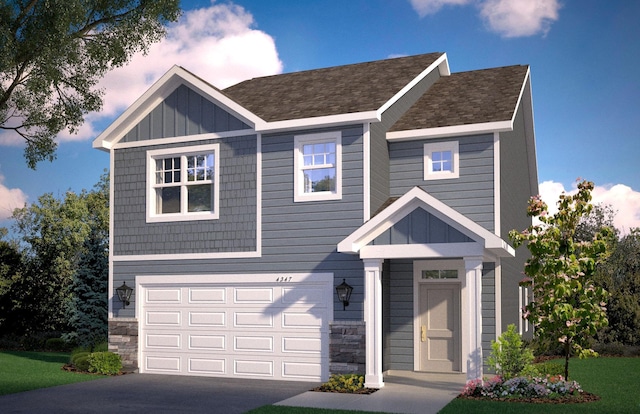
x: 138, y: 393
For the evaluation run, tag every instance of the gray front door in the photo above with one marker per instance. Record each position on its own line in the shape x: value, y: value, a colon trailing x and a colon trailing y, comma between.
x: 440, y: 327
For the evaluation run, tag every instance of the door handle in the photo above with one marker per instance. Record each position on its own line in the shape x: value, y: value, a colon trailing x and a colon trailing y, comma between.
x: 423, y: 333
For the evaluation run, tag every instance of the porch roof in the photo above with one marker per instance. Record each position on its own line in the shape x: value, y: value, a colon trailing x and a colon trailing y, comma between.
x: 483, y: 242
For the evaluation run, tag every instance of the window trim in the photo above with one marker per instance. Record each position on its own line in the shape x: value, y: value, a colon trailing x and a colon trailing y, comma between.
x: 298, y: 181
x: 430, y: 148
x: 152, y: 155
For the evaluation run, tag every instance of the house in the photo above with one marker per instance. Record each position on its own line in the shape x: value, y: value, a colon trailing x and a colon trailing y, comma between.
x: 235, y: 214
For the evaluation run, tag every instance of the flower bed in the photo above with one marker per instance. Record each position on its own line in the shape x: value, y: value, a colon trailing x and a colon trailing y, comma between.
x: 549, y: 389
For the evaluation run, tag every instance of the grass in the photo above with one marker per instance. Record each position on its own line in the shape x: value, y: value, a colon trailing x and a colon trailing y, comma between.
x: 24, y: 371
x: 615, y: 380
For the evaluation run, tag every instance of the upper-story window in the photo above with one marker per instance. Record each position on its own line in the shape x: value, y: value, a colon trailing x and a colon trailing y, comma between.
x: 183, y: 183
x: 441, y: 160
x: 318, y: 167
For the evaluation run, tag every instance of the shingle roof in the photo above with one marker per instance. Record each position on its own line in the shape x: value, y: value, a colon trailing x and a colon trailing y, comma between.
x: 463, y: 98
x: 337, y: 90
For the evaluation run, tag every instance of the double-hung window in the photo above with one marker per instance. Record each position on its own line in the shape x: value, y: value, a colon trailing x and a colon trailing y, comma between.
x: 183, y: 183
x: 441, y: 160
x: 317, y: 164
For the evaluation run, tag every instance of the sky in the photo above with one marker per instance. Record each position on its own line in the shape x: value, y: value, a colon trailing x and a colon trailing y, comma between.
x: 584, y: 57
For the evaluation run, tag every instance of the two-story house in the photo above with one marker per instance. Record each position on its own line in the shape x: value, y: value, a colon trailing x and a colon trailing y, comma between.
x: 236, y: 213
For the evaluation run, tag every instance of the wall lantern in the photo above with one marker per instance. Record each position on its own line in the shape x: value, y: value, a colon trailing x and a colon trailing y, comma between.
x: 344, y: 293
x: 124, y: 294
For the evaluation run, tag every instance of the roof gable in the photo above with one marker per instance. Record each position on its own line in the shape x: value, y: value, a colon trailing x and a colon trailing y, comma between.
x: 404, y: 206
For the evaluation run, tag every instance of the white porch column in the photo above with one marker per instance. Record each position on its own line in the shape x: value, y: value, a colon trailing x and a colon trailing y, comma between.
x: 373, y: 321
x: 473, y: 297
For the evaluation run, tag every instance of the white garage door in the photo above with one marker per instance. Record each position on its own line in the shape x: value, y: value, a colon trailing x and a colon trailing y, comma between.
x: 244, y: 326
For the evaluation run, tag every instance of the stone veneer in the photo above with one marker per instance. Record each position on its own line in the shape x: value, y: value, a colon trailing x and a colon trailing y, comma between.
x: 123, y: 340
x: 347, y: 347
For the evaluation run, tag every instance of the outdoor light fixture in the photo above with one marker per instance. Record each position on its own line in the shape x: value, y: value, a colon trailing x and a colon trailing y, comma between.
x: 124, y: 294
x: 344, y: 293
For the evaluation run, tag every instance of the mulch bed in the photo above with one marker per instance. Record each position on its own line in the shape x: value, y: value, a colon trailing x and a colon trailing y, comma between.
x: 584, y: 397
x: 362, y: 391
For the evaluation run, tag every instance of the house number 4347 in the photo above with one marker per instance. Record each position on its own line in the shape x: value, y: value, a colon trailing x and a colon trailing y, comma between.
x: 284, y: 279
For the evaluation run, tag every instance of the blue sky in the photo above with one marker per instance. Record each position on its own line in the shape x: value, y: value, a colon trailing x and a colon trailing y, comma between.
x: 584, y: 57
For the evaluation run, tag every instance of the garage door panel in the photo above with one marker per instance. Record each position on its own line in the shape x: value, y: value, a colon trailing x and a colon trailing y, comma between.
x: 166, y: 364
x: 296, y: 320
x: 301, y: 345
x: 208, y: 342
x: 254, y: 368
x: 161, y: 318
x: 252, y: 319
x: 208, y: 319
x: 300, y: 370
x: 253, y: 343
x: 166, y: 341
x: 207, y: 295
x: 207, y: 366
x: 164, y: 295
x: 302, y: 295
x: 253, y: 295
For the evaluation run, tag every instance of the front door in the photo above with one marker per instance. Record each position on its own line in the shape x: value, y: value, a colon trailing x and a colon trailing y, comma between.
x: 439, y: 318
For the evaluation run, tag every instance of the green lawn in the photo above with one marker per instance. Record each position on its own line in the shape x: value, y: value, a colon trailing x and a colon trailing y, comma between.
x: 615, y: 380
x: 23, y: 371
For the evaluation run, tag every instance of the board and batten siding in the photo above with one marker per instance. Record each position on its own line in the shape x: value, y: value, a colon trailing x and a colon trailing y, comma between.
x: 234, y: 231
x: 184, y: 112
x: 472, y: 194
x: 296, y: 237
x: 397, y: 280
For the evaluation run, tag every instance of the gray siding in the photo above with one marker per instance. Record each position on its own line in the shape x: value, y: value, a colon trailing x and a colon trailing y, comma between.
x: 379, y: 162
x: 515, y: 192
x: 235, y: 230
x: 183, y: 112
x: 488, y: 309
x: 472, y: 194
x: 421, y: 227
x: 297, y: 237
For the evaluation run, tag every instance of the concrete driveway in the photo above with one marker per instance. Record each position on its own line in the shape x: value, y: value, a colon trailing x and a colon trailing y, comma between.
x: 146, y: 393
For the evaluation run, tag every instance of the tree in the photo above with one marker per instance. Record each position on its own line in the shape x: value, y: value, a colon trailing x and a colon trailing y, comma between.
x: 567, y: 306
x: 54, y: 52
x: 53, y: 234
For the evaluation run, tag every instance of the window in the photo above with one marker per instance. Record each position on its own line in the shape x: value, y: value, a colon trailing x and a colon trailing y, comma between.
x: 183, y: 183
x: 523, y: 301
x: 440, y: 274
x: 317, y: 164
x: 441, y: 160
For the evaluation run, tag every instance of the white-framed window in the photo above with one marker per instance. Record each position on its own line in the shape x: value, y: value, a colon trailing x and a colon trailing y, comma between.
x: 441, y: 160
x: 318, y: 167
x: 183, y: 183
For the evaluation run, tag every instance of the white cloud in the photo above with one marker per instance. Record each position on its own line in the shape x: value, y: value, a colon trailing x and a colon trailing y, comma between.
x: 217, y: 43
x: 517, y: 18
x: 509, y: 18
x: 623, y: 199
x: 425, y: 7
x: 10, y: 199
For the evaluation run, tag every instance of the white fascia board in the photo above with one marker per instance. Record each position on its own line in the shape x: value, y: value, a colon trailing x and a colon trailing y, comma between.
x: 401, y: 251
x: 416, y: 197
x: 317, y: 122
x: 451, y: 131
x: 159, y: 91
x: 442, y: 64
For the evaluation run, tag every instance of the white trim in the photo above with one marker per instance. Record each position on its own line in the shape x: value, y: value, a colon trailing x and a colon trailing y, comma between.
x: 498, y: 297
x: 184, y: 138
x: 184, y: 215
x: 110, y: 292
x: 318, y: 122
x: 451, y: 131
x: 418, y: 266
x: 442, y: 64
x: 402, y: 251
x: 414, y: 198
x: 186, y: 256
x: 259, y: 196
x: 497, y: 199
x: 366, y: 171
x: 472, y: 317
x: 298, y: 178
x: 445, y: 146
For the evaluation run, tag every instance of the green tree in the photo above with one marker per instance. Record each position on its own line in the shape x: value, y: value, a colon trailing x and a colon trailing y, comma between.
x: 53, y: 234
x: 567, y: 306
x: 54, y: 52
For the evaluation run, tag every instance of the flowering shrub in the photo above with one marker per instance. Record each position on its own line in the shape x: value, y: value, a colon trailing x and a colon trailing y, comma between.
x: 344, y: 383
x: 521, y: 387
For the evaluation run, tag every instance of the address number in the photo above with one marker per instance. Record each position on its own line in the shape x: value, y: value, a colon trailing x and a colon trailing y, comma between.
x: 284, y: 279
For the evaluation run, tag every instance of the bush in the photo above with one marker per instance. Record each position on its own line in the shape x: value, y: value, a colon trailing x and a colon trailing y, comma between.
x: 80, y: 360
x: 521, y: 387
x: 347, y: 383
x: 509, y: 357
x: 56, y: 345
x: 106, y: 363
